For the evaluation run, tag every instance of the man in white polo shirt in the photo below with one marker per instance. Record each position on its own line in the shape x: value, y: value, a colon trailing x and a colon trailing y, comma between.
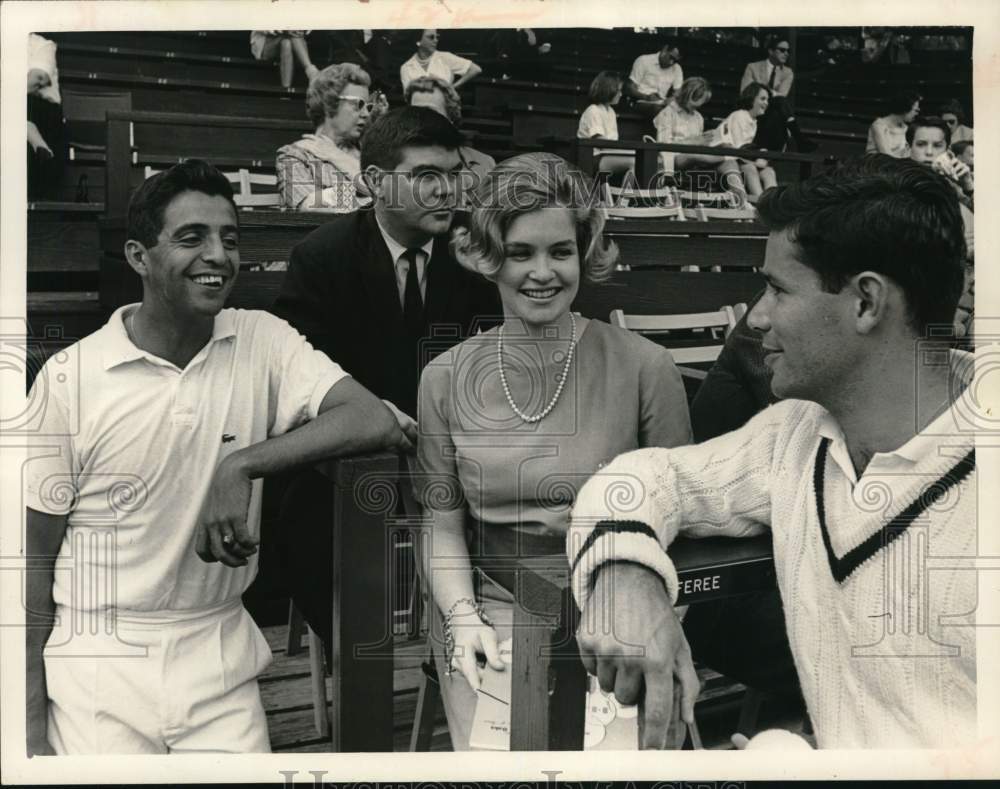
x: 865, y: 476
x: 148, y: 491
x: 655, y: 78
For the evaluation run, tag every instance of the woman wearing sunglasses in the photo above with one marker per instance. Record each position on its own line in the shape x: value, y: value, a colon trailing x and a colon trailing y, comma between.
x: 320, y: 171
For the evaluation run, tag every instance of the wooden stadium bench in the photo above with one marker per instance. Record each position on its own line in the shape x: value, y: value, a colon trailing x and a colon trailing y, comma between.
x: 161, y: 138
x: 172, y: 64
x: 530, y: 123
x: 644, y: 243
x: 499, y: 93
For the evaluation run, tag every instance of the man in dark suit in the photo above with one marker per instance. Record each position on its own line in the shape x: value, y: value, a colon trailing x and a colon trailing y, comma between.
x: 378, y: 291
x: 774, y: 73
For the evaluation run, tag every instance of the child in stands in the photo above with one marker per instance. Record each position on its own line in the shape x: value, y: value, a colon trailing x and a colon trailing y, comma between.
x: 600, y: 120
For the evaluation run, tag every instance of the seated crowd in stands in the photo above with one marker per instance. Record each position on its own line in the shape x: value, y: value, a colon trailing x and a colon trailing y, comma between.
x: 289, y: 46
x: 815, y: 397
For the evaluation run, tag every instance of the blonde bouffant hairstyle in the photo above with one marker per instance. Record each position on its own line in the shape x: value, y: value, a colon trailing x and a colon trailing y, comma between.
x: 525, y: 184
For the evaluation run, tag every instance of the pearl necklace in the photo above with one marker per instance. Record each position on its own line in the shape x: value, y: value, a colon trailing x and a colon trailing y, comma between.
x: 562, y: 377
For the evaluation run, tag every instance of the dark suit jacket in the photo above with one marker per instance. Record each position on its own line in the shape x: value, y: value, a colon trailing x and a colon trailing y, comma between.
x: 340, y: 292
x: 737, y: 386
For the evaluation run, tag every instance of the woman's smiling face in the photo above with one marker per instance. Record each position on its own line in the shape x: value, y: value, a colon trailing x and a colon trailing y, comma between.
x: 540, y: 275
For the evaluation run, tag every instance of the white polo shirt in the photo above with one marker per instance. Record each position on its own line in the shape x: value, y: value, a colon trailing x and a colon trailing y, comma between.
x: 133, y: 443
x: 648, y: 75
x: 443, y: 65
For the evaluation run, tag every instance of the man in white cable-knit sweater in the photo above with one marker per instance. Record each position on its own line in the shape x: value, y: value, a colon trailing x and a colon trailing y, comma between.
x: 865, y: 474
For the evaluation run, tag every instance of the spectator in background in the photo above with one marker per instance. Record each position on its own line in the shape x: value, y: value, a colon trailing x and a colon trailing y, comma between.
x: 288, y: 46
x: 519, y: 53
x: 42, y: 82
x: 779, y: 121
x: 680, y: 121
x: 928, y: 140
x: 965, y: 150
x: 953, y: 114
x: 441, y: 97
x: 375, y: 289
x: 773, y: 72
x: 427, y: 61
x: 600, y: 121
x: 377, y: 48
x: 320, y: 171
x: 654, y: 78
x: 741, y: 126
x: 888, y: 133
x: 45, y: 149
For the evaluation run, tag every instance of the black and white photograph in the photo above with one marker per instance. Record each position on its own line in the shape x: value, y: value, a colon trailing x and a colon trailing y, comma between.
x: 458, y: 397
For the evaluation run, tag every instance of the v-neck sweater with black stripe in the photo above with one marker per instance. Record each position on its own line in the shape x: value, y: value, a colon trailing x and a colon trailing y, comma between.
x: 881, y: 628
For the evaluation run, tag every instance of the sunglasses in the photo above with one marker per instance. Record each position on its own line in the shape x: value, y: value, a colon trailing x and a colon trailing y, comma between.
x: 357, y: 103
x: 783, y: 49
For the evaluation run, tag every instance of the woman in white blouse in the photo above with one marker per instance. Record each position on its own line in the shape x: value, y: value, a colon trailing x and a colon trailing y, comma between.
x: 740, y: 127
x: 427, y: 61
x: 888, y: 134
x: 600, y: 121
x: 680, y: 121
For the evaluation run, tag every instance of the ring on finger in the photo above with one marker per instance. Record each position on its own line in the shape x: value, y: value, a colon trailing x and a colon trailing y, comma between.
x: 227, y: 540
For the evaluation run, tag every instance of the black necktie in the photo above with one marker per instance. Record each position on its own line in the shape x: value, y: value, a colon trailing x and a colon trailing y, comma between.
x: 770, y: 81
x: 413, y: 303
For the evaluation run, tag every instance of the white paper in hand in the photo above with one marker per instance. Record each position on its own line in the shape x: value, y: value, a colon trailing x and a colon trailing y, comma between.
x: 491, y: 722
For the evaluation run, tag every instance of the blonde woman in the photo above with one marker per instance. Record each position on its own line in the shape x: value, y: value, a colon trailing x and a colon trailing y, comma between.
x: 513, y: 421
x: 680, y: 121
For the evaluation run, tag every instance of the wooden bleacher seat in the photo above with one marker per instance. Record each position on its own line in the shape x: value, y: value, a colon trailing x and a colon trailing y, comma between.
x: 85, y: 113
x: 158, y: 139
x: 711, y: 327
x: 243, y: 195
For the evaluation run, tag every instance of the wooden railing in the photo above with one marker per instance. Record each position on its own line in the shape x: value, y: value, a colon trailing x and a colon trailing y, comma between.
x: 647, y: 153
x: 548, y: 682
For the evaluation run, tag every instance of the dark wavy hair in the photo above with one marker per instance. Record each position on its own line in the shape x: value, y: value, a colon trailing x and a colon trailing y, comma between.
x: 749, y: 94
x: 892, y: 216
x: 419, y: 127
x: 149, y: 202
x: 901, y: 102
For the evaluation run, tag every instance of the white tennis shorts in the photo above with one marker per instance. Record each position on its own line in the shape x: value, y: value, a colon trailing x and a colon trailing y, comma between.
x: 160, y: 682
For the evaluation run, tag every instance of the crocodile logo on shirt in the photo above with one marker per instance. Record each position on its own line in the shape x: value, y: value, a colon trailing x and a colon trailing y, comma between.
x: 226, y: 438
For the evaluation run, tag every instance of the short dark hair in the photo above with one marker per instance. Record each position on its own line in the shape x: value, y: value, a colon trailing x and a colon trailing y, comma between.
x: 878, y: 213
x: 772, y: 42
x: 149, y: 202
x: 749, y: 94
x: 954, y: 106
x: 902, y: 101
x: 604, y: 87
x: 960, y: 147
x: 927, y: 121
x: 406, y: 127
x: 668, y: 43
